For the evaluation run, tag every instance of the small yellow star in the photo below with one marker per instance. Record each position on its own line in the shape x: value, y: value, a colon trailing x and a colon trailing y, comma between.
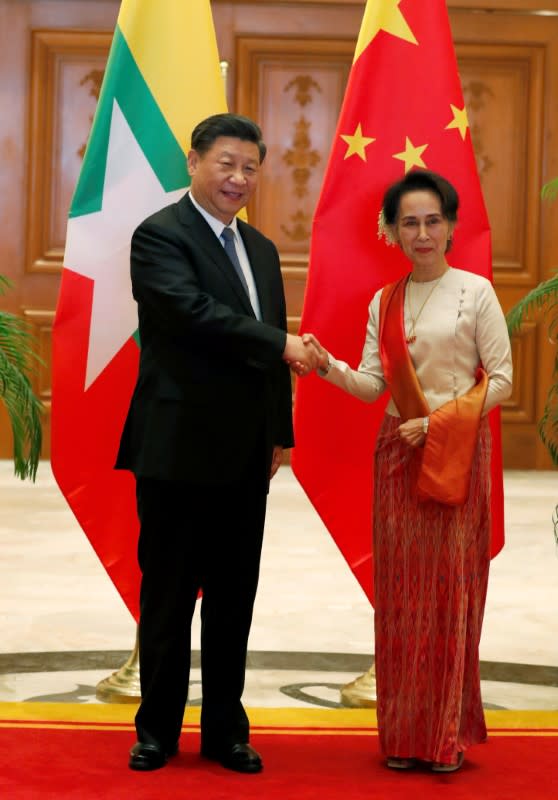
x: 412, y: 155
x: 357, y: 143
x: 383, y: 15
x: 459, y: 120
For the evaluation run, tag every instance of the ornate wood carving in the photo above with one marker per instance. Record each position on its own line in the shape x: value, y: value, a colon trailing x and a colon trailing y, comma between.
x: 63, y: 65
x: 94, y: 79
x: 301, y: 157
x: 304, y: 85
x: 298, y: 129
x: 503, y: 89
x: 477, y: 95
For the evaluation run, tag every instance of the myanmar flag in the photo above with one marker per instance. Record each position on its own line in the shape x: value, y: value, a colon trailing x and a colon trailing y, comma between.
x: 162, y: 78
x: 403, y: 110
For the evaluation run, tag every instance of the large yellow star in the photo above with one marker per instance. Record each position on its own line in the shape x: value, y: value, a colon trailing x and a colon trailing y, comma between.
x: 382, y: 15
x: 412, y: 155
x: 357, y: 143
x: 459, y: 120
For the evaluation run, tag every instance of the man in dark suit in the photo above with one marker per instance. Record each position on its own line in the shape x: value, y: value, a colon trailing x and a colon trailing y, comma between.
x: 208, y: 421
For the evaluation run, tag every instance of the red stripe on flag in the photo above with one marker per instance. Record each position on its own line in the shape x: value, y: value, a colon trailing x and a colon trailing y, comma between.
x: 86, y: 428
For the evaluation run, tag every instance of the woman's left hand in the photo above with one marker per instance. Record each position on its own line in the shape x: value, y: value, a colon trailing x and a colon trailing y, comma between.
x: 411, y: 432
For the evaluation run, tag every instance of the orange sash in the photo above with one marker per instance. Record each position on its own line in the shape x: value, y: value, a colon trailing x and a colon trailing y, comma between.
x: 447, y: 456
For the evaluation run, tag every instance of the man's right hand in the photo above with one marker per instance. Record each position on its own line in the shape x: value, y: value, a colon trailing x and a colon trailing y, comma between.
x: 302, y: 358
x: 323, y: 358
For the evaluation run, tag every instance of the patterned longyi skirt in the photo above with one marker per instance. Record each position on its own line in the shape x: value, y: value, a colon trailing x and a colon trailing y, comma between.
x: 431, y: 566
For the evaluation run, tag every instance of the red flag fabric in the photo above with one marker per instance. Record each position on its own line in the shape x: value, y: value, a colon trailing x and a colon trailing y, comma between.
x: 162, y: 78
x: 403, y: 109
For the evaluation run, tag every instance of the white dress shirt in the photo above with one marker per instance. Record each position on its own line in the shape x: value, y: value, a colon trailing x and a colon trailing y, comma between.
x: 217, y: 227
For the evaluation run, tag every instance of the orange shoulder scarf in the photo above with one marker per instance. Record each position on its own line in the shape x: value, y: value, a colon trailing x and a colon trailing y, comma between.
x: 447, y: 456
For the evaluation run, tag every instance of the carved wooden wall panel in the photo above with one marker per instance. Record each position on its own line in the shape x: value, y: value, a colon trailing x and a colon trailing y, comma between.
x: 66, y: 73
x: 520, y: 407
x: 509, y: 70
x: 503, y: 90
x: 294, y: 88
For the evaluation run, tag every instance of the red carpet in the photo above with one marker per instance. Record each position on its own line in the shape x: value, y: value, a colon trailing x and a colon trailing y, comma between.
x: 331, y: 755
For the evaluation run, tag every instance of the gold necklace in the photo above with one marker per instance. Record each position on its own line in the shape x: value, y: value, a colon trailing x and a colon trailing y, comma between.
x: 412, y: 337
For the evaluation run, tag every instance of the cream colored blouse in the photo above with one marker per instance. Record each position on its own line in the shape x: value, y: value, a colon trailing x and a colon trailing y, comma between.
x: 461, y: 325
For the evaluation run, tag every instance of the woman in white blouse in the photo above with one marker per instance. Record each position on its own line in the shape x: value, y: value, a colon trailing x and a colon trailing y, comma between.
x: 438, y: 342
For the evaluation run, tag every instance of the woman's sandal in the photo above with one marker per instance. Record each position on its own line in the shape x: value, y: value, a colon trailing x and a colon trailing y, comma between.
x: 438, y: 767
x: 401, y: 763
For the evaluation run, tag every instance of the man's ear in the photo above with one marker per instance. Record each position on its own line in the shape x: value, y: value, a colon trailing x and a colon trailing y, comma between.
x: 193, y: 159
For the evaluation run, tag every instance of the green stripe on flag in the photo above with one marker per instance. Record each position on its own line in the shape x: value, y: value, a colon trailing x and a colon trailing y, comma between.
x: 124, y: 82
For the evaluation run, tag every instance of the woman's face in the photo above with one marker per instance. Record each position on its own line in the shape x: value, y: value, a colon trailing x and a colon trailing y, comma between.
x: 421, y: 230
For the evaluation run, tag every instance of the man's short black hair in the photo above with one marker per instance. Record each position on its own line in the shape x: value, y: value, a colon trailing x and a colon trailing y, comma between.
x: 234, y: 125
x: 421, y: 180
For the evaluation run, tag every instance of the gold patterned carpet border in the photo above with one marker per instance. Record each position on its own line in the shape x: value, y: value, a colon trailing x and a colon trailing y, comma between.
x: 65, y: 716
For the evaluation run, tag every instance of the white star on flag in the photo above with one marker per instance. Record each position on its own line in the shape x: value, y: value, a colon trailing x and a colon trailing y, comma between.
x: 98, y: 244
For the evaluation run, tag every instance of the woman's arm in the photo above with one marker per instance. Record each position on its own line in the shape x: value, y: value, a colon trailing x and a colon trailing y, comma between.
x: 493, y: 343
x: 367, y: 382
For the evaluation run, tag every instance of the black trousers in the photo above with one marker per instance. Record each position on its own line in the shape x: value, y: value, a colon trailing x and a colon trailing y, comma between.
x: 192, y: 538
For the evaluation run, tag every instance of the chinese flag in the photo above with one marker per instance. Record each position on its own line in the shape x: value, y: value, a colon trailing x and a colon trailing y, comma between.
x: 403, y: 110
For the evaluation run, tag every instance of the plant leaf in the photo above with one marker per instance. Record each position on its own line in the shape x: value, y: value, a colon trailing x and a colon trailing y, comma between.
x: 24, y: 411
x: 543, y: 297
x: 17, y: 361
x: 550, y: 190
x: 548, y: 425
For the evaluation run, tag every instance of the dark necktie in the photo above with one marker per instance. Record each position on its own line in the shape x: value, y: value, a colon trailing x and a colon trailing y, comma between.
x: 230, y: 250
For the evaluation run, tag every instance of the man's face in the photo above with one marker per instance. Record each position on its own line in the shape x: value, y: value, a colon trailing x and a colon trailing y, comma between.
x: 224, y: 178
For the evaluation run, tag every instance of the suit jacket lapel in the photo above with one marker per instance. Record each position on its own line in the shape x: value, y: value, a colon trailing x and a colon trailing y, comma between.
x: 191, y: 218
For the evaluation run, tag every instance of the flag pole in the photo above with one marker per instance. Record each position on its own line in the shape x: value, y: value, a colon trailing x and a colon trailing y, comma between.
x: 361, y: 693
x: 123, y: 686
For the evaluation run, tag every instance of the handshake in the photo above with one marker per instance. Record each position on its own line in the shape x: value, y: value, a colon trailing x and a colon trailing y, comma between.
x: 304, y: 354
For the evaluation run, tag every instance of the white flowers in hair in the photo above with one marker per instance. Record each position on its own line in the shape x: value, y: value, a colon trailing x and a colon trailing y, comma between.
x: 384, y: 230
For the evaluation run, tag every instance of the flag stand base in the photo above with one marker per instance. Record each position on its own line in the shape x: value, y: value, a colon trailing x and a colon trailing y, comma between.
x: 361, y: 693
x: 123, y: 686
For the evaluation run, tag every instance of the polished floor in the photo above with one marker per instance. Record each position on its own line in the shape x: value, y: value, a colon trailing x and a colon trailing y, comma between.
x: 65, y: 628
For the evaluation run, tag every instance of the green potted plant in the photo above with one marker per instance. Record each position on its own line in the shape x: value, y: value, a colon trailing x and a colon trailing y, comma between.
x: 17, y: 362
x: 543, y: 299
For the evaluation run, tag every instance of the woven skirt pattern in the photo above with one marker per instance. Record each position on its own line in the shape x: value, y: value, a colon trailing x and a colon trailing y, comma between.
x: 431, y: 565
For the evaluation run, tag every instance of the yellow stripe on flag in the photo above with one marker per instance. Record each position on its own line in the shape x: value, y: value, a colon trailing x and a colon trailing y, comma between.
x: 184, y: 32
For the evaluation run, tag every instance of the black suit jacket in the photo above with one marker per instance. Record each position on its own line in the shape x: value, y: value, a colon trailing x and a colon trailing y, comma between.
x: 213, y: 396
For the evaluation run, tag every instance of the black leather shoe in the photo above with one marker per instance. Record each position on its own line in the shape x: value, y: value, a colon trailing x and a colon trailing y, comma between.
x: 239, y: 757
x: 146, y: 757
